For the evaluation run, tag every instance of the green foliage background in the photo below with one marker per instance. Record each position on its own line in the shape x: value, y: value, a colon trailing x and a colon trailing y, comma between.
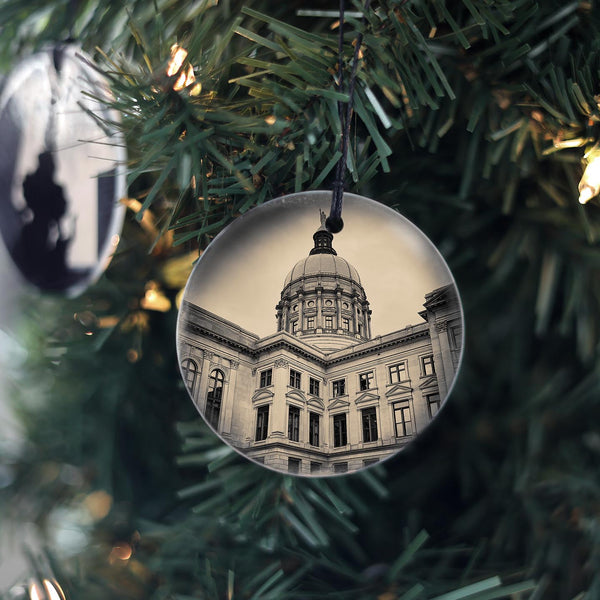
x: 472, y: 119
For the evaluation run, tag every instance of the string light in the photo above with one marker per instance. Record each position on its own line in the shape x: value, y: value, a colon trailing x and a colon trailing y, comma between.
x: 51, y: 591
x: 186, y: 76
x: 589, y: 186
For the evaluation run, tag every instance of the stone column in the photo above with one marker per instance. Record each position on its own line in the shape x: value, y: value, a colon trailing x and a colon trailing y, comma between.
x: 200, y: 394
x: 286, y: 315
x: 444, y: 369
x: 228, y: 400
x: 319, y: 309
x: 278, y: 412
x: 355, y: 315
x: 368, y: 320
x: 301, y: 312
x: 338, y: 303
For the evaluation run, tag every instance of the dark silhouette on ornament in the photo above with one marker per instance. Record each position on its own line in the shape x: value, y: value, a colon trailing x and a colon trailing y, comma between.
x: 41, y: 249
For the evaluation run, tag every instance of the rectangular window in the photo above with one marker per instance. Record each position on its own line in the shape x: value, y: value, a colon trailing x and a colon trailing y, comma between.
x: 295, y: 378
x: 294, y: 424
x: 346, y: 324
x: 366, y: 381
x: 339, y: 388
x: 398, y: 373
x: 313, y: 431
x: 359, y: 329
x: 367, y: 462
x: 260, y: 459
x: 454, y: 337
x: 266, y: 378
x: 262, y: 423
x: 293, y: 465
x: 314, y: 386
x: 427, y: 366
x: 329, y: 322
x: 294, y: 326
x: 341, y: 467
x: 402, y: 419
x: 369, y: 424
x: 315, y: 467
x: 340, y: 432
x: 433, y: 404
x: 310, y: 323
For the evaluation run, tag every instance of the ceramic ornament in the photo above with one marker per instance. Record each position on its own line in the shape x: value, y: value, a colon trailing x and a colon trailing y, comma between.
x: 62, y: 170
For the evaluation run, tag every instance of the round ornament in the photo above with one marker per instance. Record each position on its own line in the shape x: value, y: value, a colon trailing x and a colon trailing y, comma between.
x: 61, y: 170
x: 313, y: 354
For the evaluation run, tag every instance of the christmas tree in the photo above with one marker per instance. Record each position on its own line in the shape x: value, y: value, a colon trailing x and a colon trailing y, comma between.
x: 478, y: 121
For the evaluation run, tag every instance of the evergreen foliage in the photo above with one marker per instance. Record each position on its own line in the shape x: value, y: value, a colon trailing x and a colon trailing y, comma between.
x: 472, y: 119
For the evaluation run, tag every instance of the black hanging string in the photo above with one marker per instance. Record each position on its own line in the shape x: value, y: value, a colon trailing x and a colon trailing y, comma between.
x: 334, y: 222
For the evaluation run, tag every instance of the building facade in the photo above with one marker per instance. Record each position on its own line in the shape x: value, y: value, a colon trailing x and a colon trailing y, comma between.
x: 321, y: 395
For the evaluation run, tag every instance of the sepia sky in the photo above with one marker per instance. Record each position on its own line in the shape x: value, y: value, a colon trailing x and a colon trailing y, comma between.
x: 241, y: 274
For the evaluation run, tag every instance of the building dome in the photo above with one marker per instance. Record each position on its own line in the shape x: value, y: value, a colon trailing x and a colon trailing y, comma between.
x: 322, y: 264
x: 323, y: 300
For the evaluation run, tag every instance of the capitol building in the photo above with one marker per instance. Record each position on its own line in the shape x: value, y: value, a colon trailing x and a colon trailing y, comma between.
x: 321, y: 395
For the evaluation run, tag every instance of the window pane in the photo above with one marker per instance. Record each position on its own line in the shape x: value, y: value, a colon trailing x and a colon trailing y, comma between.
x: 339, y: 387
x: 369, y: 423
x: 427, y: 365
x: 339, y: 431
x: 190, y: 371
x: 398, y: 373
x: 266, y: 377
x: 315, y: 467
x: 262, y: 423
x: 433, y: 404
x: 341, y: 467
x: 366, y: 381
x: 402, y: 419
x: 293, y: 465
x: 314, y: 386
x: 213, y: 397
x: 314, y: 429
x: 294, y: 424
x: 295, y: 378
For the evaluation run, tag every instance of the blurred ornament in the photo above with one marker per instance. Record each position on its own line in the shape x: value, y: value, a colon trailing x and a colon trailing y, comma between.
x: 62, y: 170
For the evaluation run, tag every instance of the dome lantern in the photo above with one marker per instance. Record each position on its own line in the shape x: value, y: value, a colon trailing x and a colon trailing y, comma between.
x: 323, y: 301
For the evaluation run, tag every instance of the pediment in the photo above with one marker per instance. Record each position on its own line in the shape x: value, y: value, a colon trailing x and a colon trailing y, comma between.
x: 261, y: 395
x: 366, y: 397
x: 296, y: 395
x: 430, y: 382
x: 339, y: 403
x: 316, y: 403
x: 396, y: 390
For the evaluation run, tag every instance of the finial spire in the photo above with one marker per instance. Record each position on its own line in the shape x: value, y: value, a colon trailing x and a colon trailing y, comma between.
x: 323, y: 238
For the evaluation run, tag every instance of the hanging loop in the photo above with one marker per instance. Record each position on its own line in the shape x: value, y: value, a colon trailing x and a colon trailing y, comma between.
x: 334, y: 222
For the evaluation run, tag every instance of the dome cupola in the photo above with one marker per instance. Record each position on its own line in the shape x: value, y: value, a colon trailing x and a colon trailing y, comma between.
x: 323, y: 300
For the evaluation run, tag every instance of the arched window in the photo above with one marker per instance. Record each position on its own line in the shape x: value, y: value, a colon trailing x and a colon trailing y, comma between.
x: 214, y: 396
x: 189, y: 370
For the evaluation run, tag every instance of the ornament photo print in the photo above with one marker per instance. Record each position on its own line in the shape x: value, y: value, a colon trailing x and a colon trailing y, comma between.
x: 316, y: 354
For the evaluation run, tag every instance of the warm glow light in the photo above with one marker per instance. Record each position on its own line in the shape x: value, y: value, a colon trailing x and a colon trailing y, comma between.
x: 34, y: 592
x: 121, y: 551
x: 98, y: 504
x: 53, y: 590
x: 154, y: 299
x: 186, y: 76
x: 178, y: 55
x: 589, y: 186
